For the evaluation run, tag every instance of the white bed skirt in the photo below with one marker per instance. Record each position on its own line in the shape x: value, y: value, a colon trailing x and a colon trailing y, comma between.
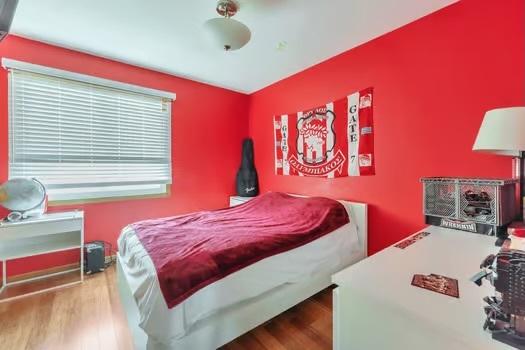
x: 227, y: 324
x: 227, y: 308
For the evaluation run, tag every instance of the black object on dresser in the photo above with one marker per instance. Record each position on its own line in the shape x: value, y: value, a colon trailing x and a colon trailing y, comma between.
x: 506, y: 309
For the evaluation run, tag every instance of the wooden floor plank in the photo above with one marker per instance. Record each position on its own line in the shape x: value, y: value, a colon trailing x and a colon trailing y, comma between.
x: 89, y: 316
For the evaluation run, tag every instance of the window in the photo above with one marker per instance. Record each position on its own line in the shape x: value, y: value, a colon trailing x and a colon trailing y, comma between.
x: 85, y: 137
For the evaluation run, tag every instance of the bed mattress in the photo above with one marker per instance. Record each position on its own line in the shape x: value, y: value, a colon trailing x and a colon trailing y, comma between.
x: 325, y: 255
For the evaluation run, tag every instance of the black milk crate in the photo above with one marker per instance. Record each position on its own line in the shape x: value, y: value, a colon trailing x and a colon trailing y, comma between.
x: 476, y: 205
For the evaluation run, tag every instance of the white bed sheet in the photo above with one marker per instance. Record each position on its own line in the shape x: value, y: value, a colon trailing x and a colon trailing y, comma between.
x: 326, y: 255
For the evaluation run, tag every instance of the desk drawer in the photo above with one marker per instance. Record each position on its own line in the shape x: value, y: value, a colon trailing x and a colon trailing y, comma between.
x: 39, y: 229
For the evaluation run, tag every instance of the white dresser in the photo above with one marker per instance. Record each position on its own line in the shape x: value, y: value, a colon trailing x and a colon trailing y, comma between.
x: 376, y: 307
x: 49, y: 233
x: 236, y: 200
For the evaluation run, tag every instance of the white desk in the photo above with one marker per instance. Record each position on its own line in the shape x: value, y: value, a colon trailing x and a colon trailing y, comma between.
x: 376, y: 307
x: 48, y: 233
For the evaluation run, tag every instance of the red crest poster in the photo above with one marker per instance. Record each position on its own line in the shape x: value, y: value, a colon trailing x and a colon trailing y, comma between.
x: 333, y: 140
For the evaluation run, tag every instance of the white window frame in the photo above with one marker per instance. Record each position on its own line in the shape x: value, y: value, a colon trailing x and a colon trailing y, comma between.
x: 89, y: 192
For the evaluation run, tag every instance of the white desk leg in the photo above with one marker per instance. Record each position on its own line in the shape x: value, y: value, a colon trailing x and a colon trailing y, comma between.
x: 336, y: 331
x: 82, y: 253
x: 4, y: 275
x: 82, y: 264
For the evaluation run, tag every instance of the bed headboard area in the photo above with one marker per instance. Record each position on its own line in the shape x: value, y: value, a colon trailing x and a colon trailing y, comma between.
x: 359, y: 212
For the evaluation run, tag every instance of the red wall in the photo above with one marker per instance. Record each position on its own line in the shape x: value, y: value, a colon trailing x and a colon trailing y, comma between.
x: 433, y: 80
x: 208, y: 124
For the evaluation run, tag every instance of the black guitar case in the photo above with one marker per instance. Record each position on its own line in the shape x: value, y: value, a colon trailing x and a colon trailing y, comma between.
x: 247, y: 182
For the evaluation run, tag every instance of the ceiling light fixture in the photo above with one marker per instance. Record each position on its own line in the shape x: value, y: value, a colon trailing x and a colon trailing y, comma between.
x: 225, y: 32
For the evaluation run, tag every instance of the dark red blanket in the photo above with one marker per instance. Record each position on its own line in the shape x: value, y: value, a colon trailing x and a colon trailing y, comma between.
x: 191, y: 251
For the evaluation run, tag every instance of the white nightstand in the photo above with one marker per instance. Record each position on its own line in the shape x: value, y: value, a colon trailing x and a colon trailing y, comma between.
x: 49, y: 233
x: 376, y: 307
x: 236, y: 200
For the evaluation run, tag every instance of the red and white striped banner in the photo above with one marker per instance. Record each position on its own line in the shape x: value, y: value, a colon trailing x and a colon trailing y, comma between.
x: 333, y: 140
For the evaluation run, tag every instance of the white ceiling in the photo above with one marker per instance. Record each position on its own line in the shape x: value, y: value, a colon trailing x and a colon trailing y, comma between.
x: 166, y: 35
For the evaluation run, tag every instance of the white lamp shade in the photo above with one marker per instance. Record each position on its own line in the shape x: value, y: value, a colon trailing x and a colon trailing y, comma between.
x: 502, y: 132
x: 226, y: 33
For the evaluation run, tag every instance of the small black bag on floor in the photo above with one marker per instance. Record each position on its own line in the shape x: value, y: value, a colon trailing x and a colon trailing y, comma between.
x: 247, y: 182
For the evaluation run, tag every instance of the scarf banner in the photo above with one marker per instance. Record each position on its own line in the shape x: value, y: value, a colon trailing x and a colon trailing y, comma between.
x: 333, y: 140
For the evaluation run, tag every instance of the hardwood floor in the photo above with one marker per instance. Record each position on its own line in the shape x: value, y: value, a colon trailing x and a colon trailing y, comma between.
x: 90, y: 317
x: 86, y: 316
x: 307, y: 326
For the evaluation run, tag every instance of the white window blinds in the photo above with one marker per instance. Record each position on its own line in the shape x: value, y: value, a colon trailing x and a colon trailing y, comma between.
x: 85, y: 140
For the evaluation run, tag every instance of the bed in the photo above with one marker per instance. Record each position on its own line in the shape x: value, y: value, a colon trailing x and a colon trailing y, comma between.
x: 225, y: 309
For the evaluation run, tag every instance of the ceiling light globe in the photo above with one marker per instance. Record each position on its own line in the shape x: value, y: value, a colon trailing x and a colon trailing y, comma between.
x: 226, y: 33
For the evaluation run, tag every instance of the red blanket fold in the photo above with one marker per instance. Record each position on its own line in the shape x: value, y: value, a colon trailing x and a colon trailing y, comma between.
x: 191, y: 251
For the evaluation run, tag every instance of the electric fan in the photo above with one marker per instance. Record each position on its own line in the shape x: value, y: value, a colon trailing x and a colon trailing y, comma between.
x: 24, y: 197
